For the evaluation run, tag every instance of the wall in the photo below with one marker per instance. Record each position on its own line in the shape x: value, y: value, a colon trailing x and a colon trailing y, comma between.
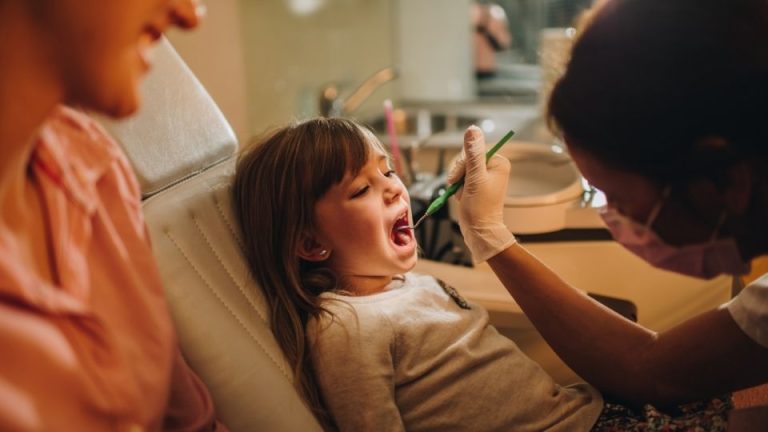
x: 265, y: 61
x: 289, y: 56
x: 214, y: 52
x: 434, y: 49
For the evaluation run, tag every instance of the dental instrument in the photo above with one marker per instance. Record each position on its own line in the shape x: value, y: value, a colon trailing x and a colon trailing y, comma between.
x: 440, y: 201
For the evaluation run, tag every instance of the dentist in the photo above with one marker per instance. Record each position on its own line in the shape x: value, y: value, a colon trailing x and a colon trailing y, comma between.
x: 87, y: 340
x: 663, y: 107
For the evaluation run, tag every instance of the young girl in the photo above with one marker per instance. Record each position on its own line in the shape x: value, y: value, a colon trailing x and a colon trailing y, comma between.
x: 374, y: 347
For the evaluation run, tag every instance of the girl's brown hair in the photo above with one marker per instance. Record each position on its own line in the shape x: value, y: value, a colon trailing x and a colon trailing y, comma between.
x: 278, y: 180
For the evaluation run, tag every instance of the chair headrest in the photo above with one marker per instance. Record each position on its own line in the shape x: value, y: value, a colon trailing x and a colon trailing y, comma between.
x: 178, y: 132
x: 221, y: 315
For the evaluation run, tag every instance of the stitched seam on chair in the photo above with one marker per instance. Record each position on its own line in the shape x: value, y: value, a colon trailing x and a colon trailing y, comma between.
x: 148, y: 195
x: 229, y: 273
x: 221, y: 300
x: 228, y: 223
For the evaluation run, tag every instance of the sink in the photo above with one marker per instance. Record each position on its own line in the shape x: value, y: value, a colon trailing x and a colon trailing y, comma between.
x: 415, y: 125
x: 543, y: 186
x: 432, y: 135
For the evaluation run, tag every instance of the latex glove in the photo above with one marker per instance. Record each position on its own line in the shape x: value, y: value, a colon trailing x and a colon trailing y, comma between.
x: 481, y: 200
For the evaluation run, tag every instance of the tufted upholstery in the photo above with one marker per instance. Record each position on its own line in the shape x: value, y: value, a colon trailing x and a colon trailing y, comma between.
x: 183, y: 152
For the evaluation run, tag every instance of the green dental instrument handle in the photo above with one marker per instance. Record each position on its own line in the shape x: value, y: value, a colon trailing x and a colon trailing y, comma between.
x: 440, y: 201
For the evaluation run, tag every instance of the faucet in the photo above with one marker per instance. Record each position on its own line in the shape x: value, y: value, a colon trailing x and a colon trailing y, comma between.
x: 332, y: 105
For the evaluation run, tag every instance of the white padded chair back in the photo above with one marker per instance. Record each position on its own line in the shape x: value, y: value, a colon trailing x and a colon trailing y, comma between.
x: 183, y: 151
x: 179, y: 130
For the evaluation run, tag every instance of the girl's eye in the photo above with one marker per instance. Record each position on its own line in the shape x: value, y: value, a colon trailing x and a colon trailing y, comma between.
x: 390, y: 173
x: 360, y: 192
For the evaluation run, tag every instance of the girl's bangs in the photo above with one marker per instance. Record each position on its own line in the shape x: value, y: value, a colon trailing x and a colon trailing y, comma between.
x: 339, y: 147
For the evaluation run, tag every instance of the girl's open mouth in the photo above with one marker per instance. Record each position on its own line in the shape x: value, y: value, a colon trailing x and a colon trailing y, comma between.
x: 399, y: 236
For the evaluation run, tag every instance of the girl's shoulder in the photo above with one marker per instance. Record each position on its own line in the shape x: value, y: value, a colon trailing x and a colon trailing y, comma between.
x: 343, y: 318
x: 402, y: 296
x: 439, y: 288
x: 419, y: 279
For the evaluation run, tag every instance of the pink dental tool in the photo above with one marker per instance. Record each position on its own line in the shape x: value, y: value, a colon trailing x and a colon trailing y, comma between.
x: 394, y: 147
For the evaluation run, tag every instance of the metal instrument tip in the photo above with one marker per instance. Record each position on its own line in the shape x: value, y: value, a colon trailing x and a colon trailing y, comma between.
x: 414, y: 226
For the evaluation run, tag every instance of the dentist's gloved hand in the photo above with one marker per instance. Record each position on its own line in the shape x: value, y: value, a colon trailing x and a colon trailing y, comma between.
x: 481, y: 200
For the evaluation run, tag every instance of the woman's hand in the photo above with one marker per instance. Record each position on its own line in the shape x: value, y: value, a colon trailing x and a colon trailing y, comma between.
x: 481, y: 200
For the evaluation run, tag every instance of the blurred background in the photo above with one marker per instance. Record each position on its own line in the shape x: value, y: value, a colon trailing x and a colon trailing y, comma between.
x: 444, y: 64
x: 266, y: 62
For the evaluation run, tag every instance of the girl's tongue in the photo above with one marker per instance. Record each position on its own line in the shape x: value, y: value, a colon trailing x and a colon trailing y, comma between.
x: 400, y: 236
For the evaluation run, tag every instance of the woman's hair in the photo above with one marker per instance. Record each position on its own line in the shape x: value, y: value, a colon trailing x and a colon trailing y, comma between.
x: 278, y: 180
x: 670, y: 89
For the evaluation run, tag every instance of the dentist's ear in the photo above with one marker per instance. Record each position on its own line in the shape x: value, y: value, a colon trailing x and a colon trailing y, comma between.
x: 311, y: 250
x: 734, y: 190
x: 741, y: 185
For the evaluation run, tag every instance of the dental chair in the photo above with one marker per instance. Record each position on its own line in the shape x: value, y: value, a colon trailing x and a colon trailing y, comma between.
x: 183, y: 151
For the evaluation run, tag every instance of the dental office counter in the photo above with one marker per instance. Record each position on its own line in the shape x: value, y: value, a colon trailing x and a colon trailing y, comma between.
x: 663, y: 299
x: 601, y: 267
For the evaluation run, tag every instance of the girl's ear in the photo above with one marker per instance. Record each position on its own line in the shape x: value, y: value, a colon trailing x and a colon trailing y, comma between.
x: 311, y: 250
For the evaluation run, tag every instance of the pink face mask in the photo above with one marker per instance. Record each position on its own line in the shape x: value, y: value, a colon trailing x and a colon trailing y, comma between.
x: 702, y: 260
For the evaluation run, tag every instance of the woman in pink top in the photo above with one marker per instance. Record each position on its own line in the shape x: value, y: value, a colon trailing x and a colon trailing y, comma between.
x: 87, y: 341
x: 491, y: 36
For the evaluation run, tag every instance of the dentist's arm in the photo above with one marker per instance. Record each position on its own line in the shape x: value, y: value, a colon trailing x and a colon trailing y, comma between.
x: 702, y: 357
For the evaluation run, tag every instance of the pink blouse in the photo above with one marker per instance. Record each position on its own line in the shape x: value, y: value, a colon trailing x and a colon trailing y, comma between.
x: 94, y: 348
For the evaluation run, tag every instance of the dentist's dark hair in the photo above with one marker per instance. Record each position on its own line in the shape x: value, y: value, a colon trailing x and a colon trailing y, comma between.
x: 670, y: 89
x: 278, y: 181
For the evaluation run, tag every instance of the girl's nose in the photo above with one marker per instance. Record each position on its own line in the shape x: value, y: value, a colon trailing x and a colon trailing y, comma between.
x: 187, y: 14
x: 394, y: 190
